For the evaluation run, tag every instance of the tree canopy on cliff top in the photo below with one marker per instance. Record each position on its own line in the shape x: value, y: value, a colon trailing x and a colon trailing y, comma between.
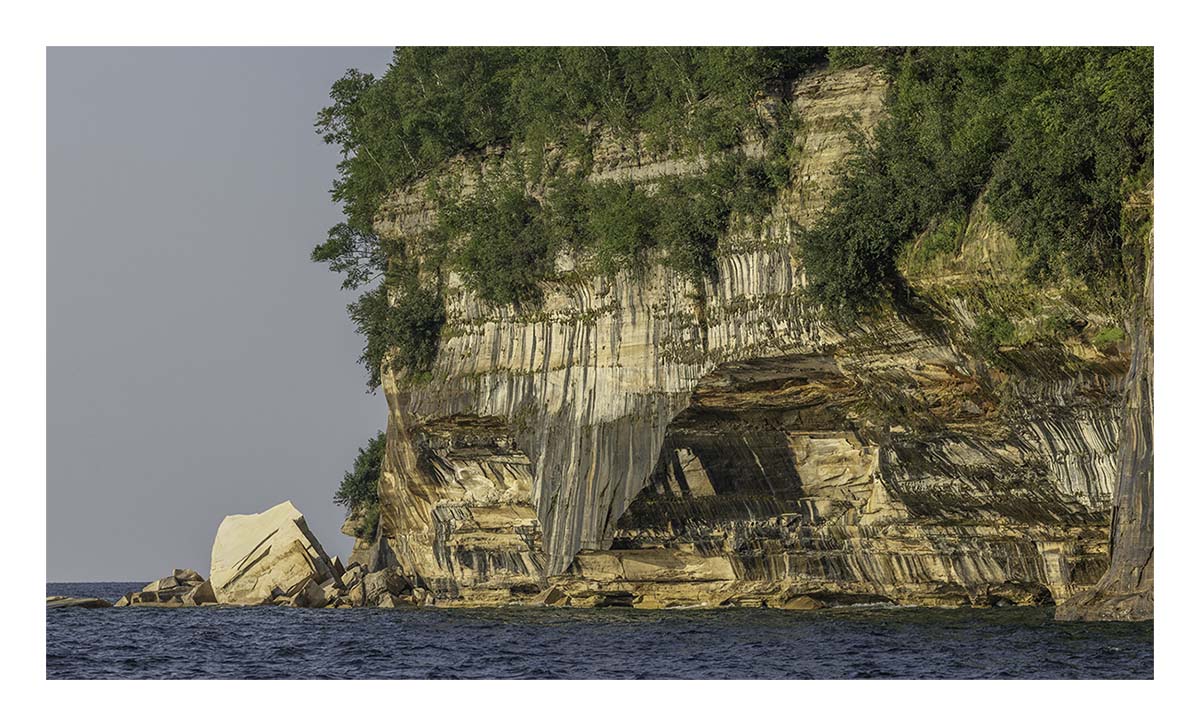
x: 1053, y: 138
x: 435, y: 103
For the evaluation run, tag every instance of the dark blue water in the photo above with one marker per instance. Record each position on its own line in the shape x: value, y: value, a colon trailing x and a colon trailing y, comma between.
x: 269, y: 642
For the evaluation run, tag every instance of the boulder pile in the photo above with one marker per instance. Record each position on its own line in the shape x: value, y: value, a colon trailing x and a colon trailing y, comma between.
x: 180, y: 588
x: 271, y: 558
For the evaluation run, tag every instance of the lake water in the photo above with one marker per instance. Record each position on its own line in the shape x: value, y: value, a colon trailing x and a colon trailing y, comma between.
x: 270, y: 642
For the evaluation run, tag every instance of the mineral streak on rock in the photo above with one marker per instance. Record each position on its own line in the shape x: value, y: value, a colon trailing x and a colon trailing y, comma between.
x: 639, y: 442
x: 1126, y: 591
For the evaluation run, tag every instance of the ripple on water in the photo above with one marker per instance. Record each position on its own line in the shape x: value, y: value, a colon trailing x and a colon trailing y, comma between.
x: 532, y: 643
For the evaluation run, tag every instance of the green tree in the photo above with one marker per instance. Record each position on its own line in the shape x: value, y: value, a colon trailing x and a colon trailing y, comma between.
x: 408, y: 328
x: 360, y: 485
x: 506, y: 246
x: 1054, y: 138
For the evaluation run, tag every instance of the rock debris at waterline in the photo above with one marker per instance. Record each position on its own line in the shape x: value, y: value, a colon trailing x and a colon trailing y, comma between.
x: 53, y: 602
x: 271, y: 558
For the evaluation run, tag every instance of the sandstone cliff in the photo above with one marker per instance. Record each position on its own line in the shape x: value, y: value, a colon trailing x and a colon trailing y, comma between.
x: 1126, y: 591
x: 639, y: 441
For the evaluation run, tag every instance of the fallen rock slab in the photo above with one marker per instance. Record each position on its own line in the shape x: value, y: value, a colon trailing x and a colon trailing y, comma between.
x: 257, y: 556
x: 553, y: 597
x: 201, y: 594
x: 309, y: 595
x: 352, y: 577
x: 389, y: 581
x: 62, y: 601
x: 389, y: 601
x: 164, y: 585
x: 803, y: 602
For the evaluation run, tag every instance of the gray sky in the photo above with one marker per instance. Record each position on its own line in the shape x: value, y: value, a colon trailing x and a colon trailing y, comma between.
x: 199, y: 364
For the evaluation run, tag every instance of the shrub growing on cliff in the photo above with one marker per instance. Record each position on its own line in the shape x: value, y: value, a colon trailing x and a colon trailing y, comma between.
x: 1055, y: 137
x: 360, y: 485
x: 506, y: 247
x: 433, y: 103
x: 1077, y: 150
x: 990, y: 333
x: 409, y: 325
x: 408, y: 329
x: 507, y: 237
x: 360, y: 256
x: 620, y: 223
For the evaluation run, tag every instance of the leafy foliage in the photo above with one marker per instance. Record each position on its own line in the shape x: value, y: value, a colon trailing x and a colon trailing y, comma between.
x: 435, y: 103
x: 369, y: 523
x: 943, y: 236
x: 1108, y: 336
x: 619, y: 223
x: 360, y: 485
x: 406, y: 327
x: 508, y: 237
x: 506, y: 246
x: 358, y: 255
x: 990, y: 333
x: 1055, y: 137
x: 1077, y: 149
x: 853, y: 56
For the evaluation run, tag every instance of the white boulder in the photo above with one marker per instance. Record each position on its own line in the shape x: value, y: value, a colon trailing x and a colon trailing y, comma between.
x: 257, y: 556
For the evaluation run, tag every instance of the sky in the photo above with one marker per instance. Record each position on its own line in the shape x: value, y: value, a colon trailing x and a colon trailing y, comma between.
x: 199, y: 364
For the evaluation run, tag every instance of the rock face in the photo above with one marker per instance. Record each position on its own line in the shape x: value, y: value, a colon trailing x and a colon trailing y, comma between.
x: 257, y: 557
x: 1126, y: 591
x: 638, y: 441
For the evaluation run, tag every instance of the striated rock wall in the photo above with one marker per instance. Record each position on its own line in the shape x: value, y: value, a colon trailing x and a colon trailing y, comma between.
x: 1126, y: 591
x: 637, y: 441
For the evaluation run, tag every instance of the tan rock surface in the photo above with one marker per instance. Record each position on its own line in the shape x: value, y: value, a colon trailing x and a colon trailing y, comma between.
x: 62, y: 601
x: 381, y: 585
x: 308, y: 595
x: 255, y: 555
x: 201, y: 594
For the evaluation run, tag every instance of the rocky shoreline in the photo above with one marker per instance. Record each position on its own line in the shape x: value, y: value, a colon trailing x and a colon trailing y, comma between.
x: 272, y: 558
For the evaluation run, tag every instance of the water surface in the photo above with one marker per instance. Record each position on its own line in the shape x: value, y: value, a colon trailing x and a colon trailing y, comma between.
x: 270, y: 642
